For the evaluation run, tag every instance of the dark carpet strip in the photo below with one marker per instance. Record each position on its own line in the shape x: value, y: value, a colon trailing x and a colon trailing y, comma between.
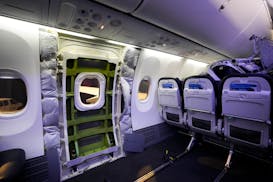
x: 201, y: 164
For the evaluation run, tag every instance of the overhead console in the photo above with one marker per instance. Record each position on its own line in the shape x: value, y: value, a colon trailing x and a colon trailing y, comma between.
x: 95, y: 19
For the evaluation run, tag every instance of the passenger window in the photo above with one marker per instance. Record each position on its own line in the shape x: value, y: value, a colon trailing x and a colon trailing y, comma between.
x: 5, y: 102
x: 143, y: 89
x: 90, y: 91
x: 13, y: 94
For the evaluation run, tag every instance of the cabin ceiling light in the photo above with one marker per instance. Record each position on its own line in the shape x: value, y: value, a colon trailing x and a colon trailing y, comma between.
x: 71, y: 33
x: 101, y: 27
x: 198, y: 63
x: 163, y: 55
x: 120, y: 43
x: 18, y: 22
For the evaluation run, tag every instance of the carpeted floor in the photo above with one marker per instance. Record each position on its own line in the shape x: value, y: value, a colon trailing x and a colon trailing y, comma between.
x: 202, y: 164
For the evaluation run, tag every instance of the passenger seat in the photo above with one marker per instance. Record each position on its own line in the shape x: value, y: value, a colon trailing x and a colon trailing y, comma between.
x: 171, y: 101
x: 201, y: 104
x: 246, y: 104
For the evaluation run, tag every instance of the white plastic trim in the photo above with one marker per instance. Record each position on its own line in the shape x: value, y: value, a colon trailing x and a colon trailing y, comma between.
x: 86, y: 75
x: 17, y: 131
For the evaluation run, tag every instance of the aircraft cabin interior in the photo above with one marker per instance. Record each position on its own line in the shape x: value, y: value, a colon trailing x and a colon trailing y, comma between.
x: 136, y: 90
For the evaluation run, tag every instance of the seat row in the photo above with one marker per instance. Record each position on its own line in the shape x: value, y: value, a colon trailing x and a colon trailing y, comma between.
x: 237, y: 108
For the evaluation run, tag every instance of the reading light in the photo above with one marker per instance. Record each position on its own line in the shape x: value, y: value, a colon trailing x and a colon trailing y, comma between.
x: 101, y: 27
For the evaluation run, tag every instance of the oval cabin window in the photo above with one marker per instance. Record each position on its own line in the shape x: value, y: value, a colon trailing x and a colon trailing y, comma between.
x: 90, y: 91
x: 143, y: 89
x: 13, y: 95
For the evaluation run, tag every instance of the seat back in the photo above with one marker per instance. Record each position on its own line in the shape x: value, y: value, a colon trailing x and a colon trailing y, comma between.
x: 200, y: 102
x: 246, y: 107
x: 199, y: 95
x: 170, y: 100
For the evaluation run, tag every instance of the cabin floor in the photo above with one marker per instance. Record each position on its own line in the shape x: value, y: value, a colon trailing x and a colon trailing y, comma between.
x: 203, y: 163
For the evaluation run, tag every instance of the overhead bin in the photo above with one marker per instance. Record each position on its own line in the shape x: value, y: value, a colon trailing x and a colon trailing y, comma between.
x: 33, y: 11
x: 222, y: 26
x: 93, y: 18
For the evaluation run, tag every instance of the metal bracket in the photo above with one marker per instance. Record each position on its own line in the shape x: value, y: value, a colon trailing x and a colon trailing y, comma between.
x: 227, y: 166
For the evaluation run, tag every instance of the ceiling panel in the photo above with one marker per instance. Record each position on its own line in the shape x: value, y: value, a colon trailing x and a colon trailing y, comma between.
x: 225, y: 25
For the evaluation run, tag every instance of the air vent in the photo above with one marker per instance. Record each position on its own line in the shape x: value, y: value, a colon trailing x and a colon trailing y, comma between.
x: 83, y: 13
x: 80, y: 21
